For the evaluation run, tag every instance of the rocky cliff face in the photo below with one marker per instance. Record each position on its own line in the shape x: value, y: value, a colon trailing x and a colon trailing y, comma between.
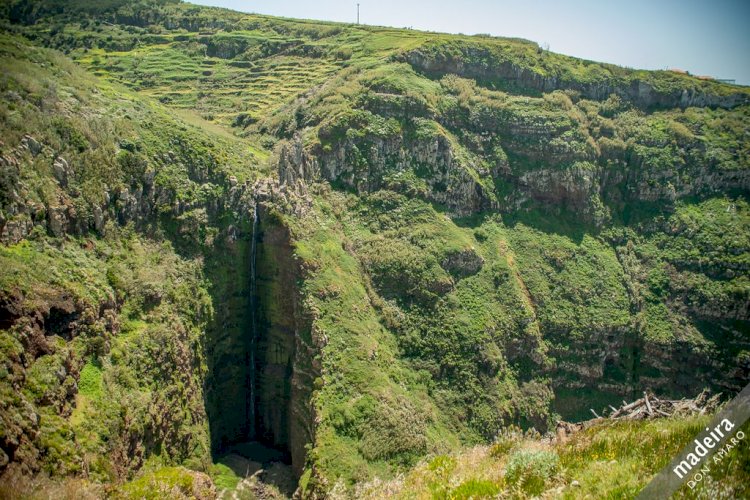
x: 460, y: 238
x: 68, y: 351
x: 379, y: 163
x: 589, y: 189
x: 47, y: 329
x: 284, y: 354
x: 113, y: 344
x: 140, y: 202
x: 482, y: 151
x: 612, y: 365
x: 617, y: 363
x: 43, y: 331
x: 489, y: 65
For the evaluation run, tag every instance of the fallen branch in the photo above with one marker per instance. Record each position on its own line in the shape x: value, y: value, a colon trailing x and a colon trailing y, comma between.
x: 649, y: 406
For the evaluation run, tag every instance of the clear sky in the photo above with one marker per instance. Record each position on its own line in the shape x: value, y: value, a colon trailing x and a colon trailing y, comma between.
x: 705, y: 37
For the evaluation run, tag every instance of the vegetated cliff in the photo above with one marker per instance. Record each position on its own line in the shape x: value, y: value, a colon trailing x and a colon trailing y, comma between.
x: 103, y: 344
x: 123, y: 311
x: 524, y: 67
x: 454, y: 234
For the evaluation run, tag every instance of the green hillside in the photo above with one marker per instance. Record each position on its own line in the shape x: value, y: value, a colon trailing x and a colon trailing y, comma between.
x: 352, y: 256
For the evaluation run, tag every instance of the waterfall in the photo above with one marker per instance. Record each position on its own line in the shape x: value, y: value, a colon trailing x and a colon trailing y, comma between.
x: 251, y: 382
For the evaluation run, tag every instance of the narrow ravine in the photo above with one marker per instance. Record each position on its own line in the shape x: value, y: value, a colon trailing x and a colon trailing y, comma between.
x: 250, y: 354
x: 266, y: 447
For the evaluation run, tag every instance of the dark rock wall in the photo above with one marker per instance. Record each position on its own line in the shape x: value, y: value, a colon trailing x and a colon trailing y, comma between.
x: 284, y: 376
x: 228, y: 344
x: 277, y: 411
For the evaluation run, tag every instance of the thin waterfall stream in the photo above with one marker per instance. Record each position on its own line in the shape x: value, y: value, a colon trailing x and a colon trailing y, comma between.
x: 251, y: 372
x: 265, y: 443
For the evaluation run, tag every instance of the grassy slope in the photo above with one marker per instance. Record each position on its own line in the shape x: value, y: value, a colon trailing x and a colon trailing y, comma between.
x: 480, y: 350
x: 467, y: 354
x: 613, y: 460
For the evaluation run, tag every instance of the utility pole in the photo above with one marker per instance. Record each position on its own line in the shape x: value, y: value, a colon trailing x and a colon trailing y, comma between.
x: 357, y: 13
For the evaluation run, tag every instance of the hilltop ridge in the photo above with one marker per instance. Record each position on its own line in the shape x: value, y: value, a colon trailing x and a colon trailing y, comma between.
x: 358, y: 250
x: 318, y: 50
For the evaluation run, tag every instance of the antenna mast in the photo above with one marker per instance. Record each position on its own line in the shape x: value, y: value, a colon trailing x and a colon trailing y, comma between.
x: 357, y: 13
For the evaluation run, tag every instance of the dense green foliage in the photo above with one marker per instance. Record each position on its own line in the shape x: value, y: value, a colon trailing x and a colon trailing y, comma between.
x: 108, y: 374
x: 468, y: 250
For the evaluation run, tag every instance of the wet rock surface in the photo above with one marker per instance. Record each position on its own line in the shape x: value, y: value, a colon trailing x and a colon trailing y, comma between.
x: 263, y: 472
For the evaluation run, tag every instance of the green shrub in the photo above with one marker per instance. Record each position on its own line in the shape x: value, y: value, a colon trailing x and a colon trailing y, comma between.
x: 506, y: 441
x: 480, y: 234
x: 90, y: 380
x: 531, y: 470
x: 442, y: 465
x: 475, y: 489
x: 70, y: 135
x: 396, y: 431
x: 164, y: 482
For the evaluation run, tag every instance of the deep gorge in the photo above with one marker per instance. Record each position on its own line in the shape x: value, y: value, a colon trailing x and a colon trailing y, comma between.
x: 242, y: 253
x: 260, y: 375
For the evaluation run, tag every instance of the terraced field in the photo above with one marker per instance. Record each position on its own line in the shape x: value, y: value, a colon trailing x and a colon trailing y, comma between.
x: 232, y: 78
x: 219, y: 90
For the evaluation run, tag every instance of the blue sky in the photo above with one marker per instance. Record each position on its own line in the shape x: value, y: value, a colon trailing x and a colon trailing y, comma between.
x: 702, y: 36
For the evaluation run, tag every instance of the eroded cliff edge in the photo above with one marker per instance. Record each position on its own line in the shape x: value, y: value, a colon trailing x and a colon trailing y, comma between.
x: 448, y: 252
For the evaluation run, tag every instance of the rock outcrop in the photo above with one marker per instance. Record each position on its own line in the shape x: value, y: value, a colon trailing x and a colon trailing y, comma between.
x: 38, y: 326
x: 489, y: 65
x: 285, y: 353
x: 445, y: 179
x: 139, y: 202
